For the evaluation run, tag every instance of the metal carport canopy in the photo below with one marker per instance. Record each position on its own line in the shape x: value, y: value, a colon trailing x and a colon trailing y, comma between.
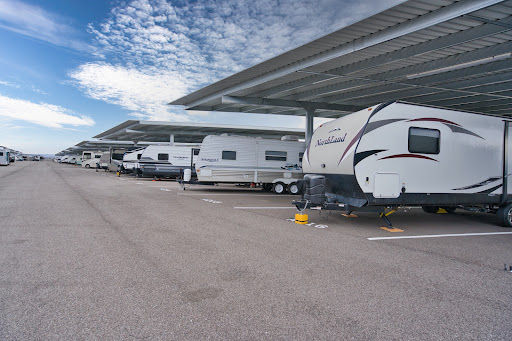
x: 102, y: 145
x: 156, y: 131
x: 444, y: 53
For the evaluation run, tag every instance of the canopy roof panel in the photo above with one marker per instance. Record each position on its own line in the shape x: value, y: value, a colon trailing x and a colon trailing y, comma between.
x: 187, y: 132
x: 445, y: 53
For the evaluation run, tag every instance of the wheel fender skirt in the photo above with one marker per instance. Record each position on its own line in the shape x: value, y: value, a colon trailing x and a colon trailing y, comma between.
x: 356, y: 202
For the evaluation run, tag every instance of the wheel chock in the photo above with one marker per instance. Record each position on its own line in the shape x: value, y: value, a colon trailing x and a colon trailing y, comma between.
x: 301, y: 218
x: 351, y: 215
x: 441, y: 211
x: 391, y: 229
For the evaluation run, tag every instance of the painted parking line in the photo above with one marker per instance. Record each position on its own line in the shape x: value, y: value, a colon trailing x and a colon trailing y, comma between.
x: 233, y: 194
x: 265, y: 208
x: 441, y: 235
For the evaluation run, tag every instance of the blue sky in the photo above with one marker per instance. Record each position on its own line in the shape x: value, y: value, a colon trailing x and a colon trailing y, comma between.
x: 72, y: 69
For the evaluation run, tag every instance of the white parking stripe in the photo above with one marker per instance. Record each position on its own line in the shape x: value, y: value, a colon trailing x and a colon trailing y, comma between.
x: 265, y: 208
x: 253, y: 194
x: 441, y: 235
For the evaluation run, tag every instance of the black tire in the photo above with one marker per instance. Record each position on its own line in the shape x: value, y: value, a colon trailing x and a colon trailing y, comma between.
x: 504, y: 215
x: 267, y: 187
x: 279, y: 188
x: 293, y: 188
x: 430, y: 209
x: 87, y: 166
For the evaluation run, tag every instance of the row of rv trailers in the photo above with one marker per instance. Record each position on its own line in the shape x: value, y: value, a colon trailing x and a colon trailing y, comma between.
x: 380, y: 158
x: 8, y: 156
x: 273, y: 164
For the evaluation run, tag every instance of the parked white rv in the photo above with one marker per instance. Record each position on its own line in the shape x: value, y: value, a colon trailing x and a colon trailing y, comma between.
x: 90, y: 159
x: 168, y: 161
x: 4, y: 157
x: 72, y: 159
x: 65, y: 159
x: 131, y: 160
x: 275, y: 164
x: 398, y: 154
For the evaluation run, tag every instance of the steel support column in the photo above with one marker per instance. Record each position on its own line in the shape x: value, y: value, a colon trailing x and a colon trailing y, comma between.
x: 310, y: 115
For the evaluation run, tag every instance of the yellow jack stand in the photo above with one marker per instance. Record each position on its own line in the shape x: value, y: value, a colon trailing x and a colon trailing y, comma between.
x: 441, y: 211
x: 301, y: 218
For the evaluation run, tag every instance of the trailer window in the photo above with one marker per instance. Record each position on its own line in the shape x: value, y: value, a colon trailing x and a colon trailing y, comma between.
x: 272, y: 155
x: 228, y: 155
x: 424, y: 141
x: 300, y: 156
x: 196, y: 151
x: 138, y: 156
x: 1, y: 153
x: 97, y: 156
x: 163, y: 157
x: 87, y: 156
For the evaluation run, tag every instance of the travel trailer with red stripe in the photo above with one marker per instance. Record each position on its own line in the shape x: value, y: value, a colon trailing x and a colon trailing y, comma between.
x: 398, y: 154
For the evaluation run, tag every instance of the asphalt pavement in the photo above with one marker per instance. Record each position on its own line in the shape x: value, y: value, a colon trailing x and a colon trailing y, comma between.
x: 88, y: 255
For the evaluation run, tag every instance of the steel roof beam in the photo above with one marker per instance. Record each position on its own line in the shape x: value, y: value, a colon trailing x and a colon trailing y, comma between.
x: 286, y: 103
x: 430, y: 19
x: 408, y: 52
x: 391, y: 76
x: 386, y: 92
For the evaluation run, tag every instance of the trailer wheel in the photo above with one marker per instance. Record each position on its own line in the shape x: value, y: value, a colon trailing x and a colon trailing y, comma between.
x: 505, y: 215
x: 279, y: 188
x: 293, y: 188
x: 430, y: 209
x: 87, y: 166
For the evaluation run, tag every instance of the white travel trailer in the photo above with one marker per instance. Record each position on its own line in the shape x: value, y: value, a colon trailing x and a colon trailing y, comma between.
x: 90, y: 159
x: 72, y: 159
x: 131, y: 160
x: 398, y: 154
x: 275, y: 164
x: 65, y: 159
x: 4, y: 157
x: 168, y: 161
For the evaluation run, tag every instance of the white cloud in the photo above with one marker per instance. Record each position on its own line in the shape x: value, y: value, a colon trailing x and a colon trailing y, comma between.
x: 158, y: 51
x: 146, y: 94
x: 44, y: 114
x: 35, y: 22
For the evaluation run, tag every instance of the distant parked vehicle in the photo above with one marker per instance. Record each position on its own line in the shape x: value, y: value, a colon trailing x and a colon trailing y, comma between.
x: 4, y: 157
x: 37, y: 158
x: 276, y: 165
x: 168, y: 161
x: 131, y: 161
x: 90, y: 159
x: 19, y: 158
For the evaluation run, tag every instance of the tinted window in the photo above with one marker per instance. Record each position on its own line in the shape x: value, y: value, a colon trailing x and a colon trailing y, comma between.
x: 228, y: 155
x: 272, y: 155
x: 1, y: 153
x: 97, y: 156
x: 87, y: 156
x: 424, y: 141
x: 300, y: 156
x: 138, y: 156
x: 117, y: 156
x: 196, y: 151
x: 163, y: 157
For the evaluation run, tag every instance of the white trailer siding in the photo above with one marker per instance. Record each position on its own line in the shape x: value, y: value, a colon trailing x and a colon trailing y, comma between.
x: 409, y: 154
x: 251, y: 164
x: 470, y: 151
